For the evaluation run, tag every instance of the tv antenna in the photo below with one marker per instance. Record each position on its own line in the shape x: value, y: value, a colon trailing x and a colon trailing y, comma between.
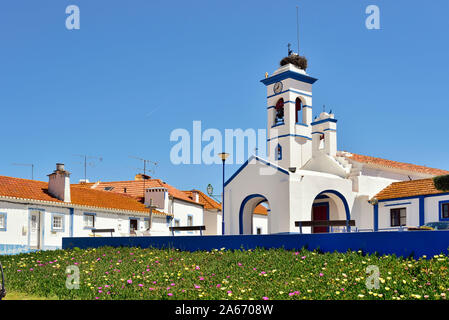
x: 145, y: 163
x: 26, y: 165
x: 86, y: 163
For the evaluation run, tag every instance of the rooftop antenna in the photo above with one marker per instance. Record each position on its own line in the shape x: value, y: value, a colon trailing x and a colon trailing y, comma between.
x: 145, y: 162
x: 92, y: 164
x: 26, y: 165
x: 297, y: 26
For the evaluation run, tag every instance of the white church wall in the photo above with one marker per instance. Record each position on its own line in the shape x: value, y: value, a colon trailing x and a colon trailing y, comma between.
x: 306, y: 185
x: 321, y: 162
x: 363, y: 213
x: 369, y: 185
x: 391, y: 174
x: 258, y: 178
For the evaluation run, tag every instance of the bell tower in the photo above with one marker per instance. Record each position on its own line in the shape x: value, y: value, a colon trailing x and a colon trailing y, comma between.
x: 289, y: 113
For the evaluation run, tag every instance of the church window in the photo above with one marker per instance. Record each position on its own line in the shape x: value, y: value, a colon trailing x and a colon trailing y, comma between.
x: 279, y: 116
x: 278, y: 152
x: 298, y: 108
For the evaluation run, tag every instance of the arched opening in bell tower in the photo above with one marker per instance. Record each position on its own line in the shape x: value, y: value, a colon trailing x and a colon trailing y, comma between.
x: 279, y: 112
x: 298, y: 111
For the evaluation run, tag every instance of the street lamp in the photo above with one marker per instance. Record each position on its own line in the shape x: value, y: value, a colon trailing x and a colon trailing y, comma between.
x: 223, y: 156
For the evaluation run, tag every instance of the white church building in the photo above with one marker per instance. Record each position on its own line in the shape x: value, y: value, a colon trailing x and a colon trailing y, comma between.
x: 306, y: 178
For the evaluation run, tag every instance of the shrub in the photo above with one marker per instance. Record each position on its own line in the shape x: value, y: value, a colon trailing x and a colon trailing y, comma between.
x: 299, y: 61
x: 441, y: 182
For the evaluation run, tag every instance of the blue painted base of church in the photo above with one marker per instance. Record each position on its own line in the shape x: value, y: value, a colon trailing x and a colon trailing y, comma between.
x: 407, y: 243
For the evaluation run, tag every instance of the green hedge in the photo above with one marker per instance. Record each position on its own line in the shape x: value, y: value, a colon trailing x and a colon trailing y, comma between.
x: 441, y: 182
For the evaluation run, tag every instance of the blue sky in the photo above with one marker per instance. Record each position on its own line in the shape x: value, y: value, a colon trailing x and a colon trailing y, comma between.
x: 136, y: 70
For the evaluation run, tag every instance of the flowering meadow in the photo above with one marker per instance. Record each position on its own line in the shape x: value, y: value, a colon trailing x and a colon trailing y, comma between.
x: 134, y: 273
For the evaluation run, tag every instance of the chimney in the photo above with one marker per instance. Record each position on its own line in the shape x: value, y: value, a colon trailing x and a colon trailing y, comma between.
x: 59, y: 183
x: 158, y: 197
x: 195, y: 196
x: 140, y: 177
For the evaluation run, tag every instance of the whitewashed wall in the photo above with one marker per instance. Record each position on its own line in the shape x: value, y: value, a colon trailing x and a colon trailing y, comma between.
x: 412, y: 213
x: 182, y: 209
x: 431, y: 207
x: 211, y: 222
x: 16, y: 238
x: 260, y: 221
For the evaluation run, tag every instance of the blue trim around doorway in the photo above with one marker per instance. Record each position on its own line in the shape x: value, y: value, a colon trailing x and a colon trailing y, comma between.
x: 242, y: 207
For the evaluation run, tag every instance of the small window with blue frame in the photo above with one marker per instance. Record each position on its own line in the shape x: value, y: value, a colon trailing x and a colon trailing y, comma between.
x: 57, y: 222
x: 89, y: 221
x: 278, y: 152
x: 445, y: 210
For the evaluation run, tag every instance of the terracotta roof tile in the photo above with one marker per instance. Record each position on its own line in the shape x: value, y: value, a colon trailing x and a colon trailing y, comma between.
x: 394, y: 164
x: 210, y: 203
x: 207, y: 201
x: 260, y: 209
x: 135, y: 188
x: 411, y: 188
x: 38, y: 190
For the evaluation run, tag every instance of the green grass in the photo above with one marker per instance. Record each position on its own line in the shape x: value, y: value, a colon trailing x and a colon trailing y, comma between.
x: 24, y: 296
x: 133, y: 273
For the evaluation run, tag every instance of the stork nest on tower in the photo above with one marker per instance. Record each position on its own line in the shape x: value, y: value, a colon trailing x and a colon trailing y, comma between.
x: 297, y: 60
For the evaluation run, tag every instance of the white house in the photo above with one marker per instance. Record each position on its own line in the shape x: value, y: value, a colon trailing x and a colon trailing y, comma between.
x: 304, y: 176
x: 410, y: 203
x: 37, y: 215
x: 212, y: 217
x: 182, y: 209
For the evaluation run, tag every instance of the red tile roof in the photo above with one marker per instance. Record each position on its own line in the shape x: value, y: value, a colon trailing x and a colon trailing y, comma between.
x: 210, y: 203
x: 411, y: 188
x: 394, y: 164
x: 135, y: 188
x: 207, y: 201
x: 37, y: 190
x: 260, y: 209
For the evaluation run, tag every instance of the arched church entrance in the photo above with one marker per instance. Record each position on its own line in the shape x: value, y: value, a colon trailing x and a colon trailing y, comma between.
x: 253, y: 215
x: 329, y: 205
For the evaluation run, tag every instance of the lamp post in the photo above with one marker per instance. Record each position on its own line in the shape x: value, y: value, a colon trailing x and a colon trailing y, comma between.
x: 223, y: 156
